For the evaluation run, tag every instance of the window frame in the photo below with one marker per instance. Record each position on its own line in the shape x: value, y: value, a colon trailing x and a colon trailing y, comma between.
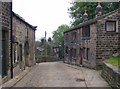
x: 83, y: 52
x: 114, y: 26
x: 74, y: 35
x: 85, y: 30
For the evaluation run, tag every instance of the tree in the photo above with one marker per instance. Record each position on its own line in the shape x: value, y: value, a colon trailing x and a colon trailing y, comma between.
x: 58, y: 34
x: 37, y: 43
x: 49, y: 49
x: 58, y: 37
x: 77, y: 10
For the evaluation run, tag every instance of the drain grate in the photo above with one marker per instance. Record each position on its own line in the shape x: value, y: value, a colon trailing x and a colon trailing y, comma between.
x: 80, y: 79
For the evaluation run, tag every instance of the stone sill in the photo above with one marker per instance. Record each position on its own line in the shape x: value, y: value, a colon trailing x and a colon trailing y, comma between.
x: 85, y: 38
x: 113, y: 33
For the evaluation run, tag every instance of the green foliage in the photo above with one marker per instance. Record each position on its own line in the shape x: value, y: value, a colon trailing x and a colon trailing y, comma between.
x: 58, y: 34
x: 37, y: 43
x: 77, y: 9
x: 49, y: 49
x: 58, y: 37
x: 114, y: 61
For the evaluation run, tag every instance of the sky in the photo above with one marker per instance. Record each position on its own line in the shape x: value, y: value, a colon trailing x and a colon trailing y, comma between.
x: 47, y: 15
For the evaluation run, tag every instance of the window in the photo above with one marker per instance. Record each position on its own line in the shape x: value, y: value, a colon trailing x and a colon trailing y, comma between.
x: 80, y: 52
x: 83, y: 53
x: 86, y: 31
x: 87, y: 53
x: 74, y: 53
x: 110, y: 26
x: 74, y: 36
x: 66, y: 50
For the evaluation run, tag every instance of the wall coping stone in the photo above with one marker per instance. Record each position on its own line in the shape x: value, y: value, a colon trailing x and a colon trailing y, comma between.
x: 114, y: 68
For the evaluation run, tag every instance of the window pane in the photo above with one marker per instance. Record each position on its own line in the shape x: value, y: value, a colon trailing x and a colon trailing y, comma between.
x: 86, y: 31
x: 87, y: 53
x: 110, y: 26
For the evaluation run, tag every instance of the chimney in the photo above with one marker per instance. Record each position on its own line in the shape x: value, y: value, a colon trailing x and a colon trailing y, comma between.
x: 98, y: 9
x: 85, y: 16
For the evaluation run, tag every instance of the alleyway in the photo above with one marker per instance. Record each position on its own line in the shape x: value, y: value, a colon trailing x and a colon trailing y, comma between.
x: 58, y: 74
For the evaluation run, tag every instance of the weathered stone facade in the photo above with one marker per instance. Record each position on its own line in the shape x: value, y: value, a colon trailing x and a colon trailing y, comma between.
x: 23, y: 41
x: 91, y: 42
x: 23, y: 44
x: 112, y: 75
x: 5, y: 24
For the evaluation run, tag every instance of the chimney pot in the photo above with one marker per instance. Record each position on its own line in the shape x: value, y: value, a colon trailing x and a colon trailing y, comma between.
x: 98, y: 9
x: 85, y: 16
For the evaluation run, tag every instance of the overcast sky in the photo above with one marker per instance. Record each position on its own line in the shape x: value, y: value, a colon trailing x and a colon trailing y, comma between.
x: 46, y: 14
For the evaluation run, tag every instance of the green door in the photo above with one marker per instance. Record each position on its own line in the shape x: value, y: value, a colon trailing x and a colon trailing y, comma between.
x: 4, y: 73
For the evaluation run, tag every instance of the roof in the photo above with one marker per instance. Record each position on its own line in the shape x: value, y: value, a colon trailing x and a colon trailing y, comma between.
x: 23, y: 20
x: 91, y: 21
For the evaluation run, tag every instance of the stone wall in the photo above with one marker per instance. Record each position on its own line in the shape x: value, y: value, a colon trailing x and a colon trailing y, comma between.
x: 111, y: 74
x: 101, y: 44
x: 0, y: 44
x: 19, y: 34
x: 107, y: 42
x: 80, y: 43
x: 119, y: 27
x: 91, y: 44
x: 31, y: 39
x: 24, y: 36
x: 5, y: 11
x: 71, y: 43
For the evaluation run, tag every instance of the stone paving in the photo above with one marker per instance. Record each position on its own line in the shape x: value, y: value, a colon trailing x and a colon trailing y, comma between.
x: 58, y: 74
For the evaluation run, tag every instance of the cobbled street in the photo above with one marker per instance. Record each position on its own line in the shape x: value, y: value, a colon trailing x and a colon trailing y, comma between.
x: 58, y: 74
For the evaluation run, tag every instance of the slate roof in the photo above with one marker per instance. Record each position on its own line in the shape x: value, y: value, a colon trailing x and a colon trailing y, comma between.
x: 92, y: 21
x: 23, y: 20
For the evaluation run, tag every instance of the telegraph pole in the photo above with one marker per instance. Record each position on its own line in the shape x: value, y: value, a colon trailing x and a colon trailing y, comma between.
x: 45, y: 45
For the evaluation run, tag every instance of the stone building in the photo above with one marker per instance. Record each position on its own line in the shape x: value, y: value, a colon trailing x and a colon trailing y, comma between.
x: 23, y: 44
x: 19, y: 46
x: 94, y: 40
x: 5, y: 38
x: 56, y: 52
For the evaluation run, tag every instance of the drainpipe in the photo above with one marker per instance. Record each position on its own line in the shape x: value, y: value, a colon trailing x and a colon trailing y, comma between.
x: 11, y: 35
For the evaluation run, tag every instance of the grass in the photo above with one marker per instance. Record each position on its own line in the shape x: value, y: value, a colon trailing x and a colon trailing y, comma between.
x: 114, y: 61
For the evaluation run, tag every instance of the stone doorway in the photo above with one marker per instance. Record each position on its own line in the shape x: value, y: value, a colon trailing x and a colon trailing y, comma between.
x: 26, y: 54
x: 80, y: 54
x: 20, y: 55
